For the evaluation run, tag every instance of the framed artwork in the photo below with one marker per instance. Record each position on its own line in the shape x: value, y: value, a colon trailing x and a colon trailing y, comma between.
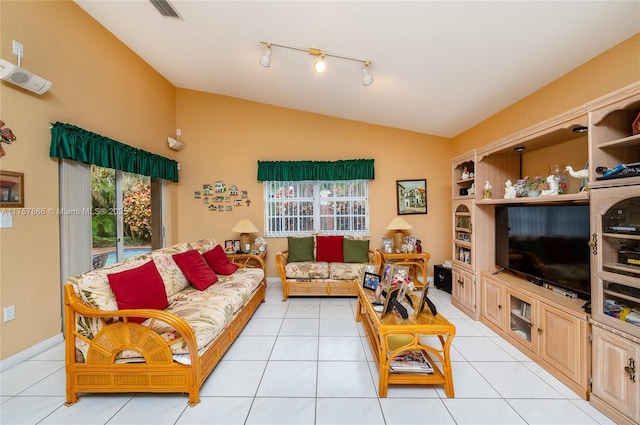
x: 11, y: 189
x: 411, y: 196
x: 236, y: 245
x: 371, y: 281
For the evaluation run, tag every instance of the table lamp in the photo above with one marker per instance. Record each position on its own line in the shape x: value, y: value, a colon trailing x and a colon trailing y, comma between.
x: 398, y: 224
x: 244, y: 227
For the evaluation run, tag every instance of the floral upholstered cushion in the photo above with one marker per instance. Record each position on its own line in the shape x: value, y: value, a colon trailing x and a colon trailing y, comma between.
x: 307, y: 270
x: 208, y: 312
x: 346, y: 271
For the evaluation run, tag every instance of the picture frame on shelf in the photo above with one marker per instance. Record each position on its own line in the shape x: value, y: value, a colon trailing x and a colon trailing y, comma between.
x: 371, y: 281
x: 236, y: 245
x: 411, y: 196
x: 11, y: 189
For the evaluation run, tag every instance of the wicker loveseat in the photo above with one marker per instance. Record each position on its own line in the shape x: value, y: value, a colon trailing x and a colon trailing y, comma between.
x: 173, y: 349
x: 324, y: 266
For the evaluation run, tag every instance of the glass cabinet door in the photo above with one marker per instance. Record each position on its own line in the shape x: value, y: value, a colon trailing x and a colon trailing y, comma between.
x: 463, y: 235
x: 521, y: 316
x: 619, y: 276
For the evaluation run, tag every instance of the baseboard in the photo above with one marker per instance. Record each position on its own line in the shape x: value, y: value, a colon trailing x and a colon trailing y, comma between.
x: 30, y: 352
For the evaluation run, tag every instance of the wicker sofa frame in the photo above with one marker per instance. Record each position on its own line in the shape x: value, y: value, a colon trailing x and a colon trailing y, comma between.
x: 159, y: 373
x: 318, y: 287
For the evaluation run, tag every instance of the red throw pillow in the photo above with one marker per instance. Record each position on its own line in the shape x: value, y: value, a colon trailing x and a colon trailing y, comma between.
x: 329, y: 248
x: 141, y: 287
x: 195, y: 269
x: 218, y: 261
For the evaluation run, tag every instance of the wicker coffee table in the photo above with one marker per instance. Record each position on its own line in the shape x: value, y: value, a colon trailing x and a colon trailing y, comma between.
x: 391, y: 335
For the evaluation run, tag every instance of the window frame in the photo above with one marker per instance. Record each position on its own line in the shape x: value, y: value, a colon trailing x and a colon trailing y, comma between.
x: 305, y: 224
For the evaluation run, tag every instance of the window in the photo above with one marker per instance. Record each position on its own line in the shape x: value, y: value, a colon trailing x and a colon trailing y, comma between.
x: 339, y: 207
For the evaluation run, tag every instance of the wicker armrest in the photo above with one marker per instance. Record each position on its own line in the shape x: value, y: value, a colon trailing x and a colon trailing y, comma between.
x: 74, y: 305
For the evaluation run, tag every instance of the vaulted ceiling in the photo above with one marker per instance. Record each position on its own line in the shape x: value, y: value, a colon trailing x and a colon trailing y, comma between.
x: 439, y: 67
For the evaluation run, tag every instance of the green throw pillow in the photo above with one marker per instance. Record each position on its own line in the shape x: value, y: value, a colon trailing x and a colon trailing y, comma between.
x: 355, y: 251
x: 300, y: 249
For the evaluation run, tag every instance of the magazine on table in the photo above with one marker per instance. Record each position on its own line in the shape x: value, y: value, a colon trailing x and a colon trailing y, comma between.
x: 413, y: 361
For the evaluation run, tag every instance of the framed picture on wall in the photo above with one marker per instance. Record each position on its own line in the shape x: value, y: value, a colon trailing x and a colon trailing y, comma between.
x: 11, y: 189
x: 411, y: 196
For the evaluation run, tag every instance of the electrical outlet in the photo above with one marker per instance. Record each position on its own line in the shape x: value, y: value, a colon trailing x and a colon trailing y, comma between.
x: 9, y: 313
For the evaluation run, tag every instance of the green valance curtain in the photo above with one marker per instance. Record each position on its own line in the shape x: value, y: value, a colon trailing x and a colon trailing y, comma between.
x: 350, y: 169
x: 71, y: 142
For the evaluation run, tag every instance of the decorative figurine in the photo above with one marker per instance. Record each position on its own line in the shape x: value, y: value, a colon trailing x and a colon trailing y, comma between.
x: 487, y: 189
x: 553, y: 186
x: 509, y: 190
x: 419, y: 246
x: 465, y: 174
x: 580, y: 174
x: 472, y: 189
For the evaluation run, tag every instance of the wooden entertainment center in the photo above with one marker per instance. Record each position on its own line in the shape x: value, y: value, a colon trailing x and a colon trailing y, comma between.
x: 596, y: 353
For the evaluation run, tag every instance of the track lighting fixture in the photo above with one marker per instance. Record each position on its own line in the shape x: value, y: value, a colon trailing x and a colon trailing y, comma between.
x: 367, y: 78
x: 319, y: 65
x: 265, y: 60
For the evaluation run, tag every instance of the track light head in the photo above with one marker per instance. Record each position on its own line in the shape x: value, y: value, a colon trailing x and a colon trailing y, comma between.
x: 265, y: 60
x: 367, y: 78
x: 320, y: 65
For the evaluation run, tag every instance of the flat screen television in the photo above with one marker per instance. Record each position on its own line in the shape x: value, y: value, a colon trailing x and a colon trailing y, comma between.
x: 546, y: 244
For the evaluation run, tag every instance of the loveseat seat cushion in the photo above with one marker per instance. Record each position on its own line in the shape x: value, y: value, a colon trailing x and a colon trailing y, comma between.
x: 208, y: 312
x: 346, y: 271
x: 307, y: 270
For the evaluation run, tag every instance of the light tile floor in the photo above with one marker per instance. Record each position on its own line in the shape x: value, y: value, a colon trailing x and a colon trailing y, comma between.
x: 307, y: 361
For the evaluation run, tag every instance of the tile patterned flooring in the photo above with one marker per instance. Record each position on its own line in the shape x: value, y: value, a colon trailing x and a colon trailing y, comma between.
x: 307, y: 361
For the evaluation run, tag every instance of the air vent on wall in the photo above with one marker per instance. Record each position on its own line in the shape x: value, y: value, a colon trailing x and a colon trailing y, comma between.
x: 165, y: 8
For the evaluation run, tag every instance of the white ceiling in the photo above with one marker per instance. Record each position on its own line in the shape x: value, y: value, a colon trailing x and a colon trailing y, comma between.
x: 440, y: 67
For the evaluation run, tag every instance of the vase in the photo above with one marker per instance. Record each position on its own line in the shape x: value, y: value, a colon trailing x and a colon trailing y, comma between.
x: 533, y: 193
x: 559, y: 177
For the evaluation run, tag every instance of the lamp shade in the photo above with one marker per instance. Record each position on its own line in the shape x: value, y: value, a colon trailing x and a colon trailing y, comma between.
x: 399, y: 223
x: 245, y: 226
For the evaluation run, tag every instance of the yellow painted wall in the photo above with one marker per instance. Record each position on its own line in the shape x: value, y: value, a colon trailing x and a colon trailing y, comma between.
x: 613, y: 69
x: 226, y: 137
x: 99, y: 85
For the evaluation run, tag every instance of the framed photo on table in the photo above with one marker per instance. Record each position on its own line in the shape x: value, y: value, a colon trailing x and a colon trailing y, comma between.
x: 371, y: 281
x: 411, y: 196
x: 392, y: 294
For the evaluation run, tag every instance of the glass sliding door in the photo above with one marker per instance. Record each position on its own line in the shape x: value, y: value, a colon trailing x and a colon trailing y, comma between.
x: 121, y: 215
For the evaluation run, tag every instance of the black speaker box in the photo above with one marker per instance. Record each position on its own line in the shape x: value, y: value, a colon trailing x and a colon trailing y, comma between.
x: 442, y: 278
